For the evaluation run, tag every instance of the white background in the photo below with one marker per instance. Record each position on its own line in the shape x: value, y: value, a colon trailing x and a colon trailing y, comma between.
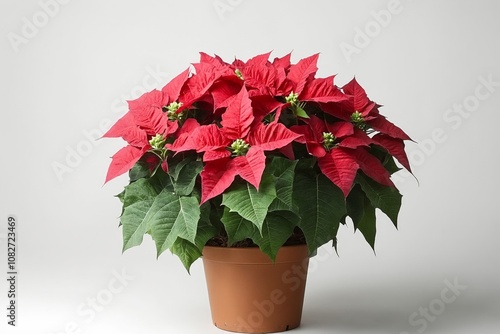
x: 65, y: 80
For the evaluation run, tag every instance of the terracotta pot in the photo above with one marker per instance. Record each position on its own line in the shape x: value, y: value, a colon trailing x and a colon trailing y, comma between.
x: 250, y: 294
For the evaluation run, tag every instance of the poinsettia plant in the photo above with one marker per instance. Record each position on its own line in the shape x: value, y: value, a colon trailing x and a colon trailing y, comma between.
x: 256, y: 153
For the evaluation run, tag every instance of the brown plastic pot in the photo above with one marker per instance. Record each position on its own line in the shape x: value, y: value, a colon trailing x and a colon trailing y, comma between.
x: 250, y: 294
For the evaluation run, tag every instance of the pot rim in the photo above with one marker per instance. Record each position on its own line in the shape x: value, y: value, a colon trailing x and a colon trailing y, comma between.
x: 253, y: 255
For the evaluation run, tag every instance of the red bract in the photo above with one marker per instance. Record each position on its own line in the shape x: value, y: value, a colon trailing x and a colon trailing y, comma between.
x: 395, y: 147
x: 124, y: 160
x: 230, y: 114
x: 322, y: 90
x: 145, y: 119
x: 299, y: 74
x: 341, y: 150
x: 148, y: 113
x: 173, y: 89
x: 235, y: 148
x: 359, y: 100
x: 365, y: 113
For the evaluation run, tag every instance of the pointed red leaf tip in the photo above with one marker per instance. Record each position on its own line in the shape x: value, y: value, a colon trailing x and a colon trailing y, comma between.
x: 263, y: 105
x: 317, y: 125
x: 197, y: 85
x: 210, y: 138
x: 372, y: 167
x: 124, y: 160
x: 395, y: 147
x: 216, y: 154
x: 271, y: 137
x: 148, y: 114
x: 287, y: 151
x: 237, y: 64
x: 322, y: 90
x: 340, y: 166
x: 174, y: 87
x: 361, y: 102
x: 190, y: 125
x: 303, y: 71
x: 357, y: 139
x: 260, y: 79
x: 312, y: 135
x: 261, y: 59
x: 281, y: 67
x: 215, y: 61
x: 164, y: 166
x: 251, y: 166
x: 283, y: 62
x: 341, y: 129
x: 120, y: 127
x: 219, y: 174
x: 216, y: 177
x: 341, y: 110
x: 384, y: 126
x: 185, y: 136
x: 126, y: 128
x: 238, y: 118
x: 223, y: 91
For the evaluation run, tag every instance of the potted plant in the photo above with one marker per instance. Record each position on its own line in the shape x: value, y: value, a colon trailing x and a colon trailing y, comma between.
x: 254, y: 165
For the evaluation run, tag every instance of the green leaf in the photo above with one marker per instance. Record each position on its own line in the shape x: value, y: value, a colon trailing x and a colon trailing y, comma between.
x: 237, y: 227
x: 321, y: 206
x: 178, y: 217
x: 186, y: 223
x: 189, y: 252
x: 367, y: 225
x: 283, y: 170
x: 138, y: 198
x: 205, y: 232
x: 174, y: 168
x: 300, y: 112
x: 121, y: 196
x: 151, y: 206
x: 205, y: 212
x: 185, y: 177
x: 362, y: 213
x: 250, y: 203
x: 216, y: 212
x: 306, y: 164
x: 278, y: 227
x: 141, y: 205
x: 161, y: 181
x: 386, y: 159
x: 355, y: 203
x: 387, y: 199
x: 139, y: 170
x: 186, y: 251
